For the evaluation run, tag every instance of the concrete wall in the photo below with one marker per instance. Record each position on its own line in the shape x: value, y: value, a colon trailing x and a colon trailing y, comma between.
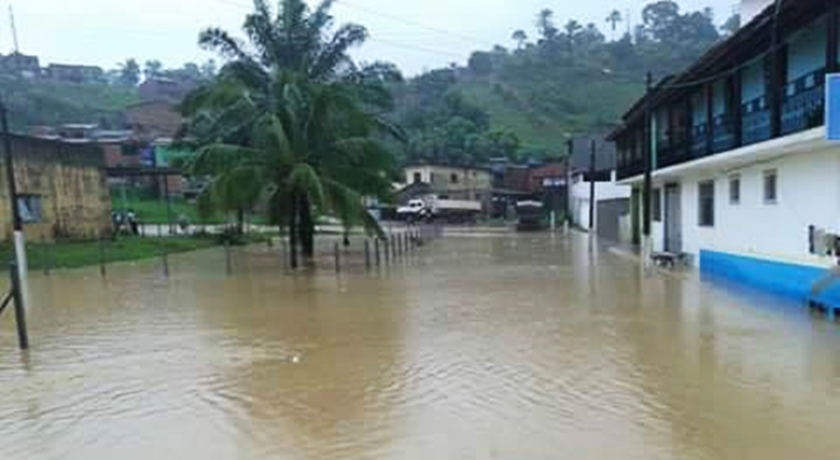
x: 71, y: 182
x: 808, y: 191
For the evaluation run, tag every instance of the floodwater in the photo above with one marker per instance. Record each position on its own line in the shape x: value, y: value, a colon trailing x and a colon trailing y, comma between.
x: 481, y: 347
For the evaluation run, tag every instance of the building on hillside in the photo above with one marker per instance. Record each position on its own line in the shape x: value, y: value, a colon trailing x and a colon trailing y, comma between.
x: 165, y: 89
x: 62, y: 190
x: 447, y: 182
x: 743, y: 175
x: 20, y: 64
x: 153, y: 120
x: 68, y: 73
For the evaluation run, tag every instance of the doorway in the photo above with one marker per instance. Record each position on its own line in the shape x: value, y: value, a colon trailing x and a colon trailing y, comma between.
x: 673, y: 219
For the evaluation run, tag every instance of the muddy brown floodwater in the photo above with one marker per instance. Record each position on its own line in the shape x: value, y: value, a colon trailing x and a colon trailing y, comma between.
x: 481, y: 347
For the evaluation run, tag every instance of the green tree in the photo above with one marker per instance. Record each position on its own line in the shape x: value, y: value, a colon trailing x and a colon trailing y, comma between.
x: 152, y: 68
x: 520, y: 37
x: 731, y: 25
x: 613, y: 19
x: 129, y: 73
x: 481, y: 62
x: 297, y: 116
x: 545, y: 25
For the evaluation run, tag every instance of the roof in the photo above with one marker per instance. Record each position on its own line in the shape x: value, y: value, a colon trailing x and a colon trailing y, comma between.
x: 726, y: 56
x: 447, y: 166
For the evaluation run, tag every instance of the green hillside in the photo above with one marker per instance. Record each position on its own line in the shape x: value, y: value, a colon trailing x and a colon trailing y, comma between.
x: 40, y: 102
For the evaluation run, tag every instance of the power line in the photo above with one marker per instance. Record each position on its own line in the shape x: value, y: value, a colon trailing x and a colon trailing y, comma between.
x: 410, y: 22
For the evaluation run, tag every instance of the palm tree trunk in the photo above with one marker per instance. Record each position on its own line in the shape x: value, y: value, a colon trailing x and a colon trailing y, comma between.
x: 293, y: 233
x: 306, y: 228
x: 240, y: 221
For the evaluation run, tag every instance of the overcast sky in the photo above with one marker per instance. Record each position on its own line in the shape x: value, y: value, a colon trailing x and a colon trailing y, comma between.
x: 416, y: 35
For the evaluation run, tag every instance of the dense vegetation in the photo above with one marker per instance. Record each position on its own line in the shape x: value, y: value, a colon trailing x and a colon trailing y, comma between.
x: 520, y: 102
x: 523, y: 103
x: 40, y: 102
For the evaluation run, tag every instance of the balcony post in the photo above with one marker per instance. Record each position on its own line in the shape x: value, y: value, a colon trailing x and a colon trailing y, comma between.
x: 688, y: 125
x: 736, y: 88
x: 832, y: 30
x: 647, y: 152
x: 709, y: 92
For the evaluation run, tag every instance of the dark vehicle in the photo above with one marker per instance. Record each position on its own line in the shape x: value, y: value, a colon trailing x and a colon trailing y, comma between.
x: 531, y: 216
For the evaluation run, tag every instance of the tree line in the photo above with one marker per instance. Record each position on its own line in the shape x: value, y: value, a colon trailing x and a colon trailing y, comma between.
x: 561, y: 80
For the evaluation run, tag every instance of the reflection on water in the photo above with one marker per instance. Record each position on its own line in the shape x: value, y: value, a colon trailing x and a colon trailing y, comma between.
x: 503, y: 346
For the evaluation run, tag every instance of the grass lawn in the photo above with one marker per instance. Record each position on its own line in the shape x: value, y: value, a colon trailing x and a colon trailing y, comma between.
x: 151, y: 211
x: 85, y: 253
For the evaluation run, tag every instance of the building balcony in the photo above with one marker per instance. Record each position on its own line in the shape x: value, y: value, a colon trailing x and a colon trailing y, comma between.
x: 699, y: 140
x: 723, y: 134
x: 756, y: 121
x: 804, y: 102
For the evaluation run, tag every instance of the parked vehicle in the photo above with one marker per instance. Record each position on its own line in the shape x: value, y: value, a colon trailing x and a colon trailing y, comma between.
x: 432, y: 208
x: 530, y: 216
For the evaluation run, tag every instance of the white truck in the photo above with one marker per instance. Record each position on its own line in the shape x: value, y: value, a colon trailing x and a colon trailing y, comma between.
x: 431, y: 208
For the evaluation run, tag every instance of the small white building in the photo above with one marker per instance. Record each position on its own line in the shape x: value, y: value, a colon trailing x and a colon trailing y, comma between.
x: 605, y: 191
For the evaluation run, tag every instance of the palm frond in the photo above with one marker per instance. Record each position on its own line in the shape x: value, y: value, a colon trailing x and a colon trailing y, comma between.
x: 305, y: 179
x: 348, y: 206
x: 217, y: 158
x: 216, y: 39
x: 335, y: 53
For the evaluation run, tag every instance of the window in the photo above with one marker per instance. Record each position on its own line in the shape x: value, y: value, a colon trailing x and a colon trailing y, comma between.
x: 656, y: 205
x: 453, y: 178
x: 30, y: 209
x: 418, y: 178
x: 706, y: 204
x: 771, y: 186
x: 735, y: 189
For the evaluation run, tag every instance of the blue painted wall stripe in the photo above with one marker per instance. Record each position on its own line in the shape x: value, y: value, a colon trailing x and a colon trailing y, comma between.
x: 781, y: 278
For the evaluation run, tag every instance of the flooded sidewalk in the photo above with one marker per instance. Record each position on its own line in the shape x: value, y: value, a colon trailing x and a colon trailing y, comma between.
x: 478, y: 346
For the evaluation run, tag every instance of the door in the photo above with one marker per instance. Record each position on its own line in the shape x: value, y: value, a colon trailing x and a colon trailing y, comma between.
x: 673, y: 219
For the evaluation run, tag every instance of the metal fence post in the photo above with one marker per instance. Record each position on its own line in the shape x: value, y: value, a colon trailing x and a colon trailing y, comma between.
x: 367, y: 254
x: 45, y: 250
x: 20, y: 310
x: 228, y: 261
x: 164, y: 258
x: 337, y: 254
x: 102, y: 270
x: 376, y: 251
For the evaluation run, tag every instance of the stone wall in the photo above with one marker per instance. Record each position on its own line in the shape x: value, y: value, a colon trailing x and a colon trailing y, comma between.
x: 69, y: 179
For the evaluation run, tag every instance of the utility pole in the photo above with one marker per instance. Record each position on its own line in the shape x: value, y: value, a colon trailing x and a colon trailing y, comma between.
x: 17, y: 222
x: 14, y: 29
x: 647, y: 244
x: 592, y: 150
x: 570, y: 146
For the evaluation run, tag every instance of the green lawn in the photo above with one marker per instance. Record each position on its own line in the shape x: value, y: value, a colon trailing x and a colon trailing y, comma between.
x: 85, y: 253
x: 152, y: 211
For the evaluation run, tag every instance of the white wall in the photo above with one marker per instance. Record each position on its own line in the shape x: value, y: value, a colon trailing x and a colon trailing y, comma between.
x: 808, y: 194
x: 603, y: 191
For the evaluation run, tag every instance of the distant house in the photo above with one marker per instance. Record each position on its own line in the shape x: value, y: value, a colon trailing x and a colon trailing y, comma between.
x: 452, y: 182
x: 152, y: 120
x: 74, y: 73
x: 62, y: 190
x: 20, y: 64
x: 165, y: 89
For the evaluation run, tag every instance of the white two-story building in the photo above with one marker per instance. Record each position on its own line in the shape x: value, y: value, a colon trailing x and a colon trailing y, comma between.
x: 744, y: 180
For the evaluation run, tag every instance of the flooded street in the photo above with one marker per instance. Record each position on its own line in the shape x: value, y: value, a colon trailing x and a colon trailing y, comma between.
x: 479, y: 347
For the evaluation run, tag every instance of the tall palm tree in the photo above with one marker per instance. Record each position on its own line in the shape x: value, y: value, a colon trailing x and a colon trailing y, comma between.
x: 294, y: 106
x: 613, y: 19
